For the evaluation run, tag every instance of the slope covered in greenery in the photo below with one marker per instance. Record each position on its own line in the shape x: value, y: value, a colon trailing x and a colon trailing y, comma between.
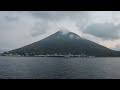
x: 65, y: 43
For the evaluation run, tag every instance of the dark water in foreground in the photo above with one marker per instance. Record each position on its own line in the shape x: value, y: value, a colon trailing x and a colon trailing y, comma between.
x: 59, y: 68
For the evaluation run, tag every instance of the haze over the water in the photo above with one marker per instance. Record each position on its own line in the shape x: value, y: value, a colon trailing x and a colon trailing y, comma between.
x: 20, y: 28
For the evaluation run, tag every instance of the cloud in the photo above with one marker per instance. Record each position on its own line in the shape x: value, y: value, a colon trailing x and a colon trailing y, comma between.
x: 117, y: 48
x: 59, y: 15
x: 39, y: 28
x: 64, y: 31
x: 71, y: 36
x: 11, y: 18
x: 58, y: 19
x: 106, y: 31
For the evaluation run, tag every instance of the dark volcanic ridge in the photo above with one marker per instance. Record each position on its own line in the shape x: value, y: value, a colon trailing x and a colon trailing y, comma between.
x: 64, y: 42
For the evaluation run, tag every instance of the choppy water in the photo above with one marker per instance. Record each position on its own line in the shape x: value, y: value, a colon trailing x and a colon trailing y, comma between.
x: 59, y: 68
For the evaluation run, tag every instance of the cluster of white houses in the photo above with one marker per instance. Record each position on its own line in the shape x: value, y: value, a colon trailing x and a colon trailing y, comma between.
x: 49, y: 55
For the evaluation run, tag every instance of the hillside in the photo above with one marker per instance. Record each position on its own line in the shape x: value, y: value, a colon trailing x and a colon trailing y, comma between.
x: 65, y: 42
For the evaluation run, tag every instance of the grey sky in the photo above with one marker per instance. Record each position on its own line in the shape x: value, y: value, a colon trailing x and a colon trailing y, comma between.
x: 20, y: 28
x: 104, y: 30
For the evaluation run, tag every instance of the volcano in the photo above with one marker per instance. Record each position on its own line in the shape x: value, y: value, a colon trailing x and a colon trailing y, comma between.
x: 65, y: 42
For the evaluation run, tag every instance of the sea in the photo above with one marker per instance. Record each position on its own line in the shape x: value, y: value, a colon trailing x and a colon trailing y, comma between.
x: 59, y: 68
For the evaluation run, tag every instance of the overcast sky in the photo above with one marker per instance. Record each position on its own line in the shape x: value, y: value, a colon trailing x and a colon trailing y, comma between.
x: 20, y: 28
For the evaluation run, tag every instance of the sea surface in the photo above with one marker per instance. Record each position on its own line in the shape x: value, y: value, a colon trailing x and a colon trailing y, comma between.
x: 59, y: 68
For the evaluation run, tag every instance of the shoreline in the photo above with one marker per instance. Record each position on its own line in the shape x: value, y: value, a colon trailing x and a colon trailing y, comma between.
x: 60, y: 56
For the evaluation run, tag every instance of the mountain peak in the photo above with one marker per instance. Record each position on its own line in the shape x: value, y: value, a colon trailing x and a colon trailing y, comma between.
x: 67, y: 33
x: 64, y: 31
